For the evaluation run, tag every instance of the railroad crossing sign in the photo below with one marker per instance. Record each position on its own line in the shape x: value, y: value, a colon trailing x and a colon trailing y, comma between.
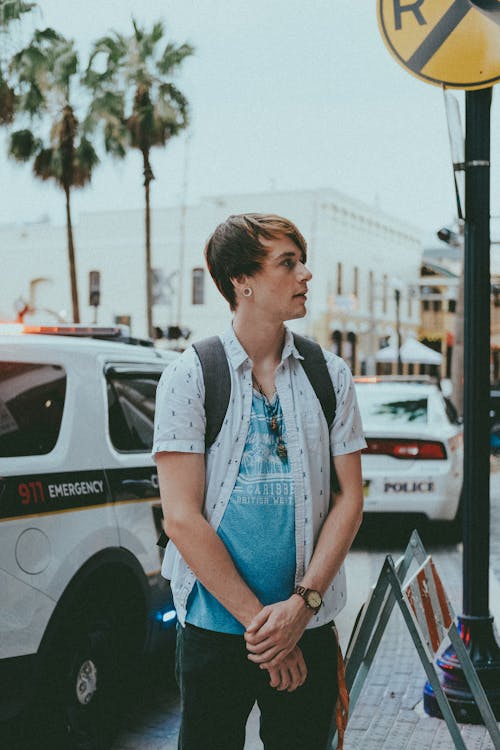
x: 451, y: 43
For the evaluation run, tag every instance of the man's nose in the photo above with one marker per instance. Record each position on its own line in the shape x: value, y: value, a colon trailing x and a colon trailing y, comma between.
x: 304, y: 272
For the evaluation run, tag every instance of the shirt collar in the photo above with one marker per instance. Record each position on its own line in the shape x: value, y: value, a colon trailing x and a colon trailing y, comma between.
x: 237, y: 355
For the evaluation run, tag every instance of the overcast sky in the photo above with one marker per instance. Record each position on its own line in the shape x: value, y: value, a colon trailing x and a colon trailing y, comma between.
x: 284, y: 95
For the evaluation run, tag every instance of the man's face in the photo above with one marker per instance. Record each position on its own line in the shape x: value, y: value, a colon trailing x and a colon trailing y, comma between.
x: 280, y: 287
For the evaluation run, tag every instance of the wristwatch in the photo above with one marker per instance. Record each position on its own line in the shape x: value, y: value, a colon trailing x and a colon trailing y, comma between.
x: 312, y: 598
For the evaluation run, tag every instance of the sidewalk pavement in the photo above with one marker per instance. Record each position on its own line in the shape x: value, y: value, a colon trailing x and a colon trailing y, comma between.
x: 389, y: 713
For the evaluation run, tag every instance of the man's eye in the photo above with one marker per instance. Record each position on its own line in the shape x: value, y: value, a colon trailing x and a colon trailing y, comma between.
x: 289, y: 263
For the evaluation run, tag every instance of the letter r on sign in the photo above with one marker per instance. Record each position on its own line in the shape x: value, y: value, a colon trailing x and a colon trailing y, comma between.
x: 410, y: 7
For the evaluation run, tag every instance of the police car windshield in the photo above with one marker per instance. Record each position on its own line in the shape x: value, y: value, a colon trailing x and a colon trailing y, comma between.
x: 383, y: 405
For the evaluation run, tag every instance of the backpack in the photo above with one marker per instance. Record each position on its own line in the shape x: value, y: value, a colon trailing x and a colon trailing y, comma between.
x: 217, y: 379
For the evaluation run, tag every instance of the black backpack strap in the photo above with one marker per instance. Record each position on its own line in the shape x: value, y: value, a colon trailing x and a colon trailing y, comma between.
x: 217, y: 380
x: 316, y: 369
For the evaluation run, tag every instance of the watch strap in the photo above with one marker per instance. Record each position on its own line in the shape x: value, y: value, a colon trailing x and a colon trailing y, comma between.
x: 303, y: 592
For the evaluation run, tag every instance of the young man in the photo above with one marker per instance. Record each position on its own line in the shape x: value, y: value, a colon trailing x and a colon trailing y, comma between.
x: 257, y: 541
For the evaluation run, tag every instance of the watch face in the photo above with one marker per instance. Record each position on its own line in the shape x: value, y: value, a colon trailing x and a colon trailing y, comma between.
x: 314, y: 599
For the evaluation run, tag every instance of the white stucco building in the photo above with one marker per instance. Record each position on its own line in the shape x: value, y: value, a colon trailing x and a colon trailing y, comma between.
x: 358, y: 257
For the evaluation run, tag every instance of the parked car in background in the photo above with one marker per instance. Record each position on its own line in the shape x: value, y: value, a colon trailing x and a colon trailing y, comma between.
x: 80, y: 514
x: 413, y: 460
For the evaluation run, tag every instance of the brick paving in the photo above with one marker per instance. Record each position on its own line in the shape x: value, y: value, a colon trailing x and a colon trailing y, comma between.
x: 389, y: 713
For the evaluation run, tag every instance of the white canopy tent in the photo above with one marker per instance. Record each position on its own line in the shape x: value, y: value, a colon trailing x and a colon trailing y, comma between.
x: 411, y: 351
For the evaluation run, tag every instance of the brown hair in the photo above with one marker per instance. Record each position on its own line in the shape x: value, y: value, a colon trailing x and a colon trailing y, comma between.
x: 234, y: 249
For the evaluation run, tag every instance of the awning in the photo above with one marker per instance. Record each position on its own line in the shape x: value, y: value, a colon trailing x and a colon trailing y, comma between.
x: 411, y: 351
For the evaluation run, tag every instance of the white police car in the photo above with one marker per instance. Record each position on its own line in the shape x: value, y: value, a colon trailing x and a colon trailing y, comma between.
x: 81, y: 592
x: 413, y: 462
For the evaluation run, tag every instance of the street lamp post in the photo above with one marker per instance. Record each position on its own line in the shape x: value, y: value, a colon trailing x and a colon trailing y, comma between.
x: 476, y: 622
x: 397, y: 295
x: 397, y: 285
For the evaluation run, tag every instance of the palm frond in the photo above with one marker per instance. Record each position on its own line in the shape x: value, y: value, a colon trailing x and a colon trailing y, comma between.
x: 85, y: 159
x: 47, y: 165
x: 173, y: 55
x: 138, y: 32
x: 157, y: 32
x: 65, y: 63
x: 48, y: 34
x: 23, y: 145
x: 12, y: 10
x: 46, y: 65
x: 31, y: 100
x: 28, y: 63
x: 107, y: 107
x: 172, y: 96
x: 7, y: 102
x: 110, y: 51
x: 116, y: 140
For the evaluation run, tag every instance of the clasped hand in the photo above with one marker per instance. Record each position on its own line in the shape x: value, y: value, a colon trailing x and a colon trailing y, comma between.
x: 272, y: 638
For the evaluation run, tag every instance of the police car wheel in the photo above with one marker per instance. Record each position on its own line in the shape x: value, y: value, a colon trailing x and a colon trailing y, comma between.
x: 90, y: 668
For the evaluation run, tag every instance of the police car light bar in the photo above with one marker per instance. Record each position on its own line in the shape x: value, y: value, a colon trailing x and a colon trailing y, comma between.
x: 118, y: 331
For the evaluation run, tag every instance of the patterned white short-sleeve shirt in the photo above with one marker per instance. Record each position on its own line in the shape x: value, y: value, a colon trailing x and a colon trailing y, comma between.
x: 180, y: 426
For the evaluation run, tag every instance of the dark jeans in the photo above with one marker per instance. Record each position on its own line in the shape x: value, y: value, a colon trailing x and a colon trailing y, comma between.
x: 219, y: 687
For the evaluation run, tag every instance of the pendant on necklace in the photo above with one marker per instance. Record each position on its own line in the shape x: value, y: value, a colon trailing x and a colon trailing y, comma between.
x: 281, y: 450
x: 274, y: 424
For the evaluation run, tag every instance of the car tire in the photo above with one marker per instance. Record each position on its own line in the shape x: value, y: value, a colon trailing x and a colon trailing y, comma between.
x: 90, y: 667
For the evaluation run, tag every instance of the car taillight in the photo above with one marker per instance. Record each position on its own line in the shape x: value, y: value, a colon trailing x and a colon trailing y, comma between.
x: 429, y: 450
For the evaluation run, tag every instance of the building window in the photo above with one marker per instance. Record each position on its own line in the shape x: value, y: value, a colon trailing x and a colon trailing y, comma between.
x: 198, y: 290
x: 436, y: 305
x: 356, y: 281
x: 452, y: 305
x: 385, y: 289
x: 339, y: 278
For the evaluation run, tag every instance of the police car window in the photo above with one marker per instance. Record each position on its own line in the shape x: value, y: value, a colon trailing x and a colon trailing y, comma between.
x: 377, y: 407
x: 131, y: 410
x: 31, y: 407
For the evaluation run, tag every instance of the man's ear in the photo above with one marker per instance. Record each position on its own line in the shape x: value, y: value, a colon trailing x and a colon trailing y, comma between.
x: 240, y: 282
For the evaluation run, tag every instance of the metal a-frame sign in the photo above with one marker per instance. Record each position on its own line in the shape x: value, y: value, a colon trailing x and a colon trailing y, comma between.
x: 429, y: 618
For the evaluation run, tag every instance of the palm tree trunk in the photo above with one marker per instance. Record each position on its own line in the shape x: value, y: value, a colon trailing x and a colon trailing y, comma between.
x: 71, y: 259
x: 148, y: 176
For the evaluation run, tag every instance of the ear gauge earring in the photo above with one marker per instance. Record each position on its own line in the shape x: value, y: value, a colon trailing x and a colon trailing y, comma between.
x: 247, y: 291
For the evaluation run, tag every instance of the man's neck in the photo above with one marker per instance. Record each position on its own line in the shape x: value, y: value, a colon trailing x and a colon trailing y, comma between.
x: 263, y: 341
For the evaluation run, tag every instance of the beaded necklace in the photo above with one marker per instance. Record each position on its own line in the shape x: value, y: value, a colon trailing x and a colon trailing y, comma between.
x: 272, y: 420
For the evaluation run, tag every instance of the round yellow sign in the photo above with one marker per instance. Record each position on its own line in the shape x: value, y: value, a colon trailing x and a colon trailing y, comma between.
x: 451, y: 43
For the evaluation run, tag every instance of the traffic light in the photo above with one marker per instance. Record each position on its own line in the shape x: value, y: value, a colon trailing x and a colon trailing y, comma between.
x: 94, y: 288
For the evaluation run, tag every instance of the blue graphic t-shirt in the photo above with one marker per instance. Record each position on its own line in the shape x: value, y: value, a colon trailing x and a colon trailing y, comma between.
x: 258, y: 526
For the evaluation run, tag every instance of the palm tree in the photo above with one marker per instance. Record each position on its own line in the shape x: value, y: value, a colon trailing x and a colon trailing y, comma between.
x: 46, y: 72
x: 10, y: 12
x: 137, y: 103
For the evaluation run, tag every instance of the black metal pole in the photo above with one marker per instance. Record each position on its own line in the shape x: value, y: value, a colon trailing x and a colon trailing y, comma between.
x: 397, y: 294
x: 475, y: 624
x: 476, y: 530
